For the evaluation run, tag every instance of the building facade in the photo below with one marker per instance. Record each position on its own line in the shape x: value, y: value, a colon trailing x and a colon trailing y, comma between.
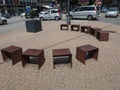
x: 15, y: 7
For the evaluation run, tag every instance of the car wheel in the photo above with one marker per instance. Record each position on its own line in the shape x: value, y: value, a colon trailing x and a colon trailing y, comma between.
x: 56, y: 18
x: 90, y: 17
x: 116, y: 16
x: 4, y: 22
x: 106, y: 16
x: 41, y: 18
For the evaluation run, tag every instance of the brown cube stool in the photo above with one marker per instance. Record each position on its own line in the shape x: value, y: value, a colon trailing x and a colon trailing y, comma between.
x: 75, y: 27
x: 85, y: 29
x: 103, y: 35
x: 60, y: 53
x: 94, y: 31
x: 39, y: 53
x: 13, y: 53
x: 64, y: 27
x: 86, y: 52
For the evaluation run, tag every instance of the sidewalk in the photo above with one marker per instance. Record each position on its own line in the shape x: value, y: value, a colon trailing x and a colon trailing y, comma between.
x: 103, y: 74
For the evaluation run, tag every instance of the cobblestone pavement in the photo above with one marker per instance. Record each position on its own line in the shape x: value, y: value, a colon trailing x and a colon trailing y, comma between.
x: 103, y: 74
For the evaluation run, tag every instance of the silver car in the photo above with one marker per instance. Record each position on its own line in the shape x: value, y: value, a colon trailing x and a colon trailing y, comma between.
x: 3, y: 20
x: 50, y: 14
x: 85, y: 12
x: 104, y: 9
x: 112, y: 12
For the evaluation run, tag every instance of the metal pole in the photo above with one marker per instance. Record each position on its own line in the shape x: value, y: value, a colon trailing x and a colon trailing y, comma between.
x: 68, y: 17
x: 5, y: 6
x: 12, y: 4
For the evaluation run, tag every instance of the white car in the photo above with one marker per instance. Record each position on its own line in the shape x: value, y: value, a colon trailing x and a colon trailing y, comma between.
x: 3, y: 20
x: 22, y: 14
x: 112, y: 12
x: 50, y: 14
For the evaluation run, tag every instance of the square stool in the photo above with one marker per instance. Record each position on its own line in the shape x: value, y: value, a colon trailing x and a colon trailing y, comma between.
x: 13, y: 53
x: 39, y: 53
x: 94, y: 31
x: 61, y: 53
x: 103, y: 35
x: 86, y: 29
x: 64, y: 27
x: 75, y: 27
x: 86, y: 52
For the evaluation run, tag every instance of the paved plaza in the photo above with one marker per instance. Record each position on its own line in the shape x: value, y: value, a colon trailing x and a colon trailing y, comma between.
x: 103, y: 74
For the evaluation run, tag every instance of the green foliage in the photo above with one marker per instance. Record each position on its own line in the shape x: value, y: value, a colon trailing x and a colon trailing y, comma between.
x: 32, y: 13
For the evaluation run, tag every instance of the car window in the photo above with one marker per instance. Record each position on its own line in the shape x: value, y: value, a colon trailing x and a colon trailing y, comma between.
x: 104, y: 8
x: 85, y: 8
x: 46, y: 13
x: 81, y: 9
x: 54, y: 11
x: 113, y: 9
x: 90, y: 8
x: 76, y: 9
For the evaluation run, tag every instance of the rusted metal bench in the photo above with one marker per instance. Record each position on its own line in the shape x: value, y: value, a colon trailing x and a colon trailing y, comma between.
x: 64, y: 27
x: 39, y: 53
x: 86, y: 29
x: 75, y: 27
x: 94, y: 31
x: 60, y: 53
x: 85, y: 52
x: 13, y: 53
x: 103, y: 35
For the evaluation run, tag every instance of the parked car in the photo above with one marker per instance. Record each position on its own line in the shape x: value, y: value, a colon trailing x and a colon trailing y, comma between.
x: 50, y: 14
x: 3, y: 20
x: 85, y: 12
x: 6, y: 15
x: 22, y: 14
x: 112, y: 12
x: 104, y: 9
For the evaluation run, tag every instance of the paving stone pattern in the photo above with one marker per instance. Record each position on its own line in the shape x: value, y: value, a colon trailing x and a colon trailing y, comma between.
x: 103, y: 74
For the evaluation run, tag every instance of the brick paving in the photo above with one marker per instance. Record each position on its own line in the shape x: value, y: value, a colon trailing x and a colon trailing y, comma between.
x: 103, y: 74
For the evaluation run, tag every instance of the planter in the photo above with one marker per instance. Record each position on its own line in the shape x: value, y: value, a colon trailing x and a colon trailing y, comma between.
x: 33, y: 25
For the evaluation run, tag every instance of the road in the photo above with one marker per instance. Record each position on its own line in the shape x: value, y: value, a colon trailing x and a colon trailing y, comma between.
x: 18, y: 23
x: 115, y: 21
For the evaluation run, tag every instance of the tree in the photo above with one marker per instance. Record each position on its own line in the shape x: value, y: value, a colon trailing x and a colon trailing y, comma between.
x: 32, y: 13
x: 91, y: 2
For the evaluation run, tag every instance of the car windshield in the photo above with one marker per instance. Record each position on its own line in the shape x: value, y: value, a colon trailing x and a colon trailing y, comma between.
x: 43, y: 12
x: 104, y: 8
x: 113, y: 9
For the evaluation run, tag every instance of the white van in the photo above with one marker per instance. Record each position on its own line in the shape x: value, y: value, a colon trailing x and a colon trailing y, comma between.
x: 85, y: 12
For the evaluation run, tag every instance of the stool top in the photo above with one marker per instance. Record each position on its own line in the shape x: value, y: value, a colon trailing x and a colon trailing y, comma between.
x: 61, y: 52
x: 75, y: 25
x: 33, y: 52
x: 105, y: 32
x: 11, y: 49
x: 87, y: 48
x: 86, y: 26
x: 96, y: 28
x: 65, y: 24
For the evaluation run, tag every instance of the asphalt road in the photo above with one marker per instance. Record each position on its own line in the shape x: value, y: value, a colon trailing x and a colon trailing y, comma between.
x: 15, y: 23
x: 115, y: 21
x: 18, y: 23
